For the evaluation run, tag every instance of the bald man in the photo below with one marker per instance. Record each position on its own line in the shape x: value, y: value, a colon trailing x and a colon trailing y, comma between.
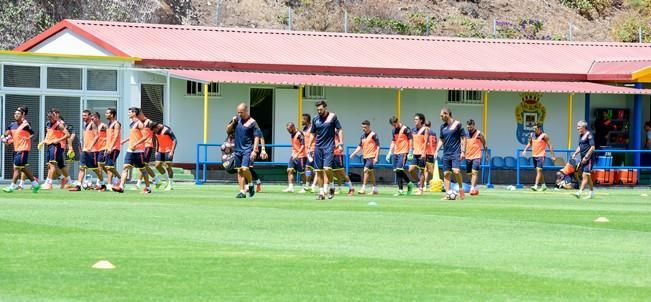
x: 247, y: 136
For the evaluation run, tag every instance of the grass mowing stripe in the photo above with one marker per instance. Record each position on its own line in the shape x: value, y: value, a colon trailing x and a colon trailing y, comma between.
x: 191, y: 271
x: 544, y: 246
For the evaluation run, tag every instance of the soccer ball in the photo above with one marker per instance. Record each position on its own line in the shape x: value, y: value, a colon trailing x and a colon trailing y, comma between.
x: 6, y: 139
x: 452, y: 195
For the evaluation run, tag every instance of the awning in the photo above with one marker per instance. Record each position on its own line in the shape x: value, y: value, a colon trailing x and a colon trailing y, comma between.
x: 293, y: 79
x: 625, y: 70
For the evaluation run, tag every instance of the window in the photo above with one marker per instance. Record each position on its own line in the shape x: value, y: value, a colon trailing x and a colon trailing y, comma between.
x: 64, y: 78
x: 465, y: 97
x: 22, y: 76
x: 193, y: 88
x: 314, y: 92
x: 102, y: 80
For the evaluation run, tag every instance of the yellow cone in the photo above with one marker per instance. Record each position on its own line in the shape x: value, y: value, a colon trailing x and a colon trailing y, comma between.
x: 436, y: 184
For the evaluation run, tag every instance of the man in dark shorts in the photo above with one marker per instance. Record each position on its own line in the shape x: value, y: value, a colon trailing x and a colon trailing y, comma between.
x: 134, y: 157
x: 398, y: 153
x: 113, y: 145
x: 452, y: 141
x: 539, y: 142
x: 89, y: 159
x: 420, y: 141
x: 297, y: 160
x: 55, y: 138
x: 369, y: 145
x: 325, y: 126
x: 586, y: 150
x: 247, y: 137
x: 19, y: 133
x: 165, y: 146
x: 475, y: 146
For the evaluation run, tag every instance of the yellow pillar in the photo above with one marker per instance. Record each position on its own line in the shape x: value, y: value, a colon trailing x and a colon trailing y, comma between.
x: 570, y: 98
x: 300, y: 107
x: 485, y: 120
x: 205, y: 113
x: 398, y: 97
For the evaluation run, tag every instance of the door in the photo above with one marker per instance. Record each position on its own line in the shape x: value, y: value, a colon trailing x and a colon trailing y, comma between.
x: 151, y: 103
x: 262, y: 110
x: 286, y: 110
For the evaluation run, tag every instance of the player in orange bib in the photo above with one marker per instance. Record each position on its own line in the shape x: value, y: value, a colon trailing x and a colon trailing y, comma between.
x: 475, y: 145
x: 56, y: 136
x: 113, y: 143
x: 165, y: 146
x: 430, y: 159
x: 298, y: 159
x: 369, y: 144
x: 539, y: 142
x: 420, y: 142
x: 338, y: 167
x: 135, y: 152
x: 19, y: 133
x: 398, y: 154
x: 148, y: 154
x: 100, y: 147
x: 309, y: 165
x: 89, y: 160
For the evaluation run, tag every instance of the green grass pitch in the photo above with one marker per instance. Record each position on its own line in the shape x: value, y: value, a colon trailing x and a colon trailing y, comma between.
x: 199, y: 243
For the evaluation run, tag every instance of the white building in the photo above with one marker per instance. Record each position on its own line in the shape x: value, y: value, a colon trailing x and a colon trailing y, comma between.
x: 503, y: 85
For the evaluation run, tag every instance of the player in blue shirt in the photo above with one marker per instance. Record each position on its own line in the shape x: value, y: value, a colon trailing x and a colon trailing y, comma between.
x: 325, y: 126
x: 586, y: 150
x: 452, y: 140
x: 247, y: 137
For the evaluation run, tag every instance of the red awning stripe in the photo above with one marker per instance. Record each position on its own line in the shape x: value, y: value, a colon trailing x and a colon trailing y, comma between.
x: 238, y: 77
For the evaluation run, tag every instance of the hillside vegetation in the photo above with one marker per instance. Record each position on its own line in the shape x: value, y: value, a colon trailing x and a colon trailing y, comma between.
x: 580, y: 20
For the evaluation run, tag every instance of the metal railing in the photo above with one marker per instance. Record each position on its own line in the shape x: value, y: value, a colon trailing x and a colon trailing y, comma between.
x: 205, y: 156
x: 203, y: 159
x: 486, y: 168
x: 568, y: 153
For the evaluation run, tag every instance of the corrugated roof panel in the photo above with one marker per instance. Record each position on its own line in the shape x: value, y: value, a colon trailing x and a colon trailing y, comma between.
x: 616, y: 70
x: 354, y: 53
x: 397, y: 82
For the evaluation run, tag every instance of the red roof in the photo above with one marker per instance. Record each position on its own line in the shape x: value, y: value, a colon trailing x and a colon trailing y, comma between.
x: 293, y: 51
x: 621, y: 70
x: 398, y: 82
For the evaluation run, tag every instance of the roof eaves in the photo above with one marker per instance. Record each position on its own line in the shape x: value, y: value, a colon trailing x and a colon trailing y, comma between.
x: 356, y: 35
x: 69, y: 24
x: 257, y: 67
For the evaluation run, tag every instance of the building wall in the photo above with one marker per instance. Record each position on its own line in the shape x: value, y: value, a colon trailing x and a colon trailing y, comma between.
x: 68, y: 42
x: 67, y: 99
x: 186, y: 117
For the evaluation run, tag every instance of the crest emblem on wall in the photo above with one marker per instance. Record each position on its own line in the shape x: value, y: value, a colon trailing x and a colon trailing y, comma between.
x: 528, y: 113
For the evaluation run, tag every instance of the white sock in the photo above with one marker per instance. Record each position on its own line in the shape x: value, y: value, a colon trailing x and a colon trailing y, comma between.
x: 34, y: 183
x: 48, y: 181
x: 21, y: 183
x: 363, y: 188
x: 258, y: 182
